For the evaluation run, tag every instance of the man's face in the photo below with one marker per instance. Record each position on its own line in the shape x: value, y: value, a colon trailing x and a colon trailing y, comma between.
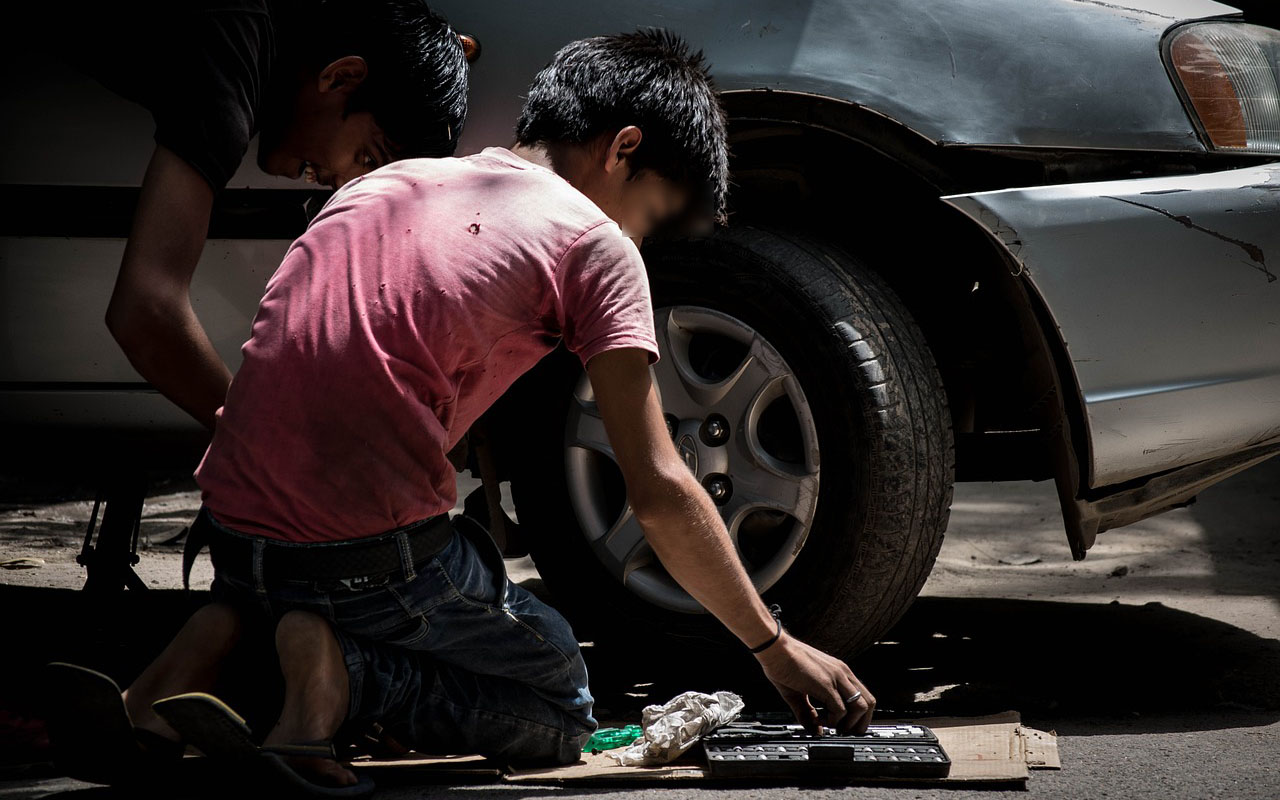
x: 327, y: 151
x: 310, y: 134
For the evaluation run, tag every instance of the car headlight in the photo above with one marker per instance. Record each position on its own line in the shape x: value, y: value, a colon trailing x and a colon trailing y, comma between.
x: 1229, y: 74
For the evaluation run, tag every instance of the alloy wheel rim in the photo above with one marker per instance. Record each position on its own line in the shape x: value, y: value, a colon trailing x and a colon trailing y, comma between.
x: 741, y: 422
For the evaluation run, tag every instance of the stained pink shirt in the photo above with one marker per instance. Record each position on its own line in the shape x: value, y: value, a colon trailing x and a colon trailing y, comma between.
x: 414, y: 299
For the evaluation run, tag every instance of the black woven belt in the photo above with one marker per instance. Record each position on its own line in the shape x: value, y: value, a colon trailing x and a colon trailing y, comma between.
x: 375, y: 556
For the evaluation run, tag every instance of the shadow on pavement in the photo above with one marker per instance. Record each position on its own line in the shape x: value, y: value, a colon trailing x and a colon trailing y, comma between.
x: 1148, y: 667
x: 1241, y: 523
x: 1142, y: 668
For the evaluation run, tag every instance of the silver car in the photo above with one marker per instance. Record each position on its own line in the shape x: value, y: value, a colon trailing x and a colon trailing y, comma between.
x: 969, y: 240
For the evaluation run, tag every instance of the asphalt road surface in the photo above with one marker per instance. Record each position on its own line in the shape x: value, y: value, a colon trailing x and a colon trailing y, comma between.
x: 1155, y: 660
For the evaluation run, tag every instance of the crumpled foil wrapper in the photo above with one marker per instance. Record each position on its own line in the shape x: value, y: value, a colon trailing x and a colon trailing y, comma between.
x: 671, y: 729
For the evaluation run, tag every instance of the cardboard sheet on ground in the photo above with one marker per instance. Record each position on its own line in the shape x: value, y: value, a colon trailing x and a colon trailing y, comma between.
x: 994, y: 748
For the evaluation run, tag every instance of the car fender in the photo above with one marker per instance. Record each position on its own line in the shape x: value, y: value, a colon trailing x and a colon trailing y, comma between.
x: 1163, y: 293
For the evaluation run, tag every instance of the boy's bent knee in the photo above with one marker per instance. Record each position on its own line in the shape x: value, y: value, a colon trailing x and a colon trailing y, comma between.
x: 221, y: 617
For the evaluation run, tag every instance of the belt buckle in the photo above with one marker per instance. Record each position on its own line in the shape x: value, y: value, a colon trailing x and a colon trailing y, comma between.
x: 361, y: 582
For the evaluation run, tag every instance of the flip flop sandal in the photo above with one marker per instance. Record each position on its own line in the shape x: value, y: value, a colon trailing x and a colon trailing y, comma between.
x: 220, y: 733
x: 91, y: 734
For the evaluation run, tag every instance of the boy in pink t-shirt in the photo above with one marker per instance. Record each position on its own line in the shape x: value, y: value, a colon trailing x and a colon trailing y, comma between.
x: 415, y: 298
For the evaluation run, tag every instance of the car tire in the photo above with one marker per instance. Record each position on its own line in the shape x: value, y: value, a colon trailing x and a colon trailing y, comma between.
x: 883, y: 434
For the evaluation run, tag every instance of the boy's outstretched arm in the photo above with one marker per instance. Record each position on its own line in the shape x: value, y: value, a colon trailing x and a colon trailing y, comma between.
x: 150, y: 312
x: 686, y: 532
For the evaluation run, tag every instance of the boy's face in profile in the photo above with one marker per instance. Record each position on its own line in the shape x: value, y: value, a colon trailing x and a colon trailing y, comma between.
x: 646, y: 201
x: 639, y: 200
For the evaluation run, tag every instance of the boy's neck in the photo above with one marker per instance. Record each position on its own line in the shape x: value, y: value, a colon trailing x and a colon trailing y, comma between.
x: 534, y: 153
x: 543, y: 156
x: 569, y: 162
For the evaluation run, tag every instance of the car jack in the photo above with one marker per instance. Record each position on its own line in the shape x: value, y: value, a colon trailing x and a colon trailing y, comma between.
x: 110, y: 564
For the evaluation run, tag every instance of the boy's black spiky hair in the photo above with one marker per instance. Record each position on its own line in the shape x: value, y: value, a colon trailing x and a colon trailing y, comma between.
x: 651, y: 79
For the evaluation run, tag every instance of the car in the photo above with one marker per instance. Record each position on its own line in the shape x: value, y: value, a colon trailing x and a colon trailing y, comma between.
x: 969, y: 241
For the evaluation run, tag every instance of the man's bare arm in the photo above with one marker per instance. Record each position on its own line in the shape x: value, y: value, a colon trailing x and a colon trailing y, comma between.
x: 150, y: 312
x: 686, y: 532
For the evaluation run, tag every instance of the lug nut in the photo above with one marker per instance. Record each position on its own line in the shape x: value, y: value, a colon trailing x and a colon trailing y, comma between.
x: 719, y: 487
x: 715, y: 430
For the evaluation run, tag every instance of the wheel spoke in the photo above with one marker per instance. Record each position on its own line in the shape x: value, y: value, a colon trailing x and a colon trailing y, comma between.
x: 586, y: 428
x: 759, y: 373
x: 623, y: 547
x: 675, y: 378
x: 793, y: 494
x: 686, y: 394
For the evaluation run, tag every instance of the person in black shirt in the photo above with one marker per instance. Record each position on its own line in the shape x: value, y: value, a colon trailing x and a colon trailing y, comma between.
x: 333, y: 88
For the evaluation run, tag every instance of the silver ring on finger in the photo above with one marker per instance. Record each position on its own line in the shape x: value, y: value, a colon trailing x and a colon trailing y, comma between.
x: 852, y: 698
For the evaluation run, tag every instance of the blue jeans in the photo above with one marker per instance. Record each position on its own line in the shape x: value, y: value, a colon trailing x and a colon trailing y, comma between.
x: 449, y: 656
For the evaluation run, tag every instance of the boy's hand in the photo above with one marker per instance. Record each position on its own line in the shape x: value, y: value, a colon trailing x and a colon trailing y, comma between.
x: 806, y: 676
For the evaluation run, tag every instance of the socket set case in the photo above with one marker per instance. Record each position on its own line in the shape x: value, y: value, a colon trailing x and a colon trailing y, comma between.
x: 884, y: 751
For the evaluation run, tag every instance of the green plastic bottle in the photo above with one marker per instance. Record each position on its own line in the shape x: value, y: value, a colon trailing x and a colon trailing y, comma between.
x: 612, y: 738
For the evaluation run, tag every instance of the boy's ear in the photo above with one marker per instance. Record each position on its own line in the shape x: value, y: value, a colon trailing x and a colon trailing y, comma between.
x: 343, y: 75
x: 624, y: 144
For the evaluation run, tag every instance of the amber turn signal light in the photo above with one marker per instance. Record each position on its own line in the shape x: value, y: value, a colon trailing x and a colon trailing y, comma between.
x: 1208, y: 86
x: 470, y: 46
x: 1229, y: 74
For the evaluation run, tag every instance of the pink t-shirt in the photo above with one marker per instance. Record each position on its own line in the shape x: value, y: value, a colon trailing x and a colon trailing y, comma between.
x: 414, y: 299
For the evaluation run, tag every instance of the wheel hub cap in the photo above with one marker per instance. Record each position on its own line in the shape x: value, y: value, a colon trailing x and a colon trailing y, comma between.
x: 741, y: 424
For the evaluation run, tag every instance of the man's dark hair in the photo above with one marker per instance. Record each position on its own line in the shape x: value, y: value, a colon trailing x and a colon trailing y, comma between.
x: 649, y: 79
x: 416, y: 88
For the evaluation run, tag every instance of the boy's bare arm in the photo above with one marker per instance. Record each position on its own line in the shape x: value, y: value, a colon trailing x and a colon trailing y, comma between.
x: 686, y: 532
x: 150, y: 312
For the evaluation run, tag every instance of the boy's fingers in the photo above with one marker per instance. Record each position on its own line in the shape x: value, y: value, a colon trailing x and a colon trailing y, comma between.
x: 867, y: 709
x: 834, y: 706
x: 805, y: 713
x: 855, y: 707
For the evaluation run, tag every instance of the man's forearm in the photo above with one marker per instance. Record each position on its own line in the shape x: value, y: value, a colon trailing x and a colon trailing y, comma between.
x: 173, y: 353
x: 150, y: 311
x: 690, y: 539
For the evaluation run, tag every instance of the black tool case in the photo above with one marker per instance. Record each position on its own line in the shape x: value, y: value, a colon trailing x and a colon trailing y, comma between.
x: 884, y: 751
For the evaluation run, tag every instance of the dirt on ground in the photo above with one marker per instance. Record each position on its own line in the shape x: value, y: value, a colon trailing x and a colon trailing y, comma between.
x: 1160, y: 645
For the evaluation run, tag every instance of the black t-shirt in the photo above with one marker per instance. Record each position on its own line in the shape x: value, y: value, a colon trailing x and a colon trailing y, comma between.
x: 201, y: 67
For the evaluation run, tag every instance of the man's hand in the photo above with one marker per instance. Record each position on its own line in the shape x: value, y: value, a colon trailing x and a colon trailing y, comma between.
x: 804, y: 676
x: 150, y: 313
x: 685, y: 530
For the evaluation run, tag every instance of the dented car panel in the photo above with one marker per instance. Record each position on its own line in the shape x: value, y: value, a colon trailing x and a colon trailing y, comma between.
x: 979, y: 72
x: 1164, y: 294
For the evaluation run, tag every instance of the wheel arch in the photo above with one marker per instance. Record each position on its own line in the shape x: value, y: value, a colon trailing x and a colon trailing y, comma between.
x: 1017, y: 409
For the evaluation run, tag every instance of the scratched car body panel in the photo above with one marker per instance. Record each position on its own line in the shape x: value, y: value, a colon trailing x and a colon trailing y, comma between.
x: 1187, y: 369
x: 942, y: 69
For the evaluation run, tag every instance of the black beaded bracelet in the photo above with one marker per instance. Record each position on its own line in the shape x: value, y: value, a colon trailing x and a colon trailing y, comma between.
x: 776, y: 611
